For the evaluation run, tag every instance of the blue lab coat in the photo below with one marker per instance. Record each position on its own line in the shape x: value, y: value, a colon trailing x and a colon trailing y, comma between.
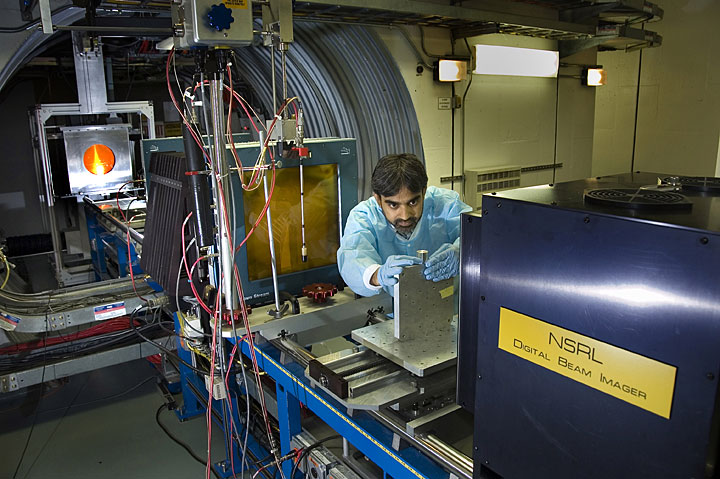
x: 369, y: 239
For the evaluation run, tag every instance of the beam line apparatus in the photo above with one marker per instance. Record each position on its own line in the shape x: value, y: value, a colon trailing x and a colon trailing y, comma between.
x: 221, y: 180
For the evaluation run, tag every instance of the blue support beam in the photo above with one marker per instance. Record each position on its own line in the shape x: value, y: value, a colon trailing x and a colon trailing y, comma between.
x: 366, y: 434
x: 289, y: 420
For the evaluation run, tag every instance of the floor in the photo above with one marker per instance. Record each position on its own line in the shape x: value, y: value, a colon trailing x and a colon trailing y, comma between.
x: 99, y: 425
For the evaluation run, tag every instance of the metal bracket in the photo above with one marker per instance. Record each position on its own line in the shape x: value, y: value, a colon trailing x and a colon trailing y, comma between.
x: 448, y: 179
x: 46, y: 17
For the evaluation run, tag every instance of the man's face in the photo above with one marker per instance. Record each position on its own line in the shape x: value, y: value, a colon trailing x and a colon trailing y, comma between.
x: 402, y: 210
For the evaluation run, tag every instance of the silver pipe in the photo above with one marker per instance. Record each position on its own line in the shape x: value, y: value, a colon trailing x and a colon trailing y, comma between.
x: 456, y: 455
x: 134, y: 234
x: 283, y: 50
x: 272, y: 73
x: 346, y: 448
x: 422, y: 444
x: 454, y: 461
x: 49, y: 198
x: 133, y: 30
x: 221, y: 172
x: 271, y: 238
x: 299, y: 134
x: 212, y: 264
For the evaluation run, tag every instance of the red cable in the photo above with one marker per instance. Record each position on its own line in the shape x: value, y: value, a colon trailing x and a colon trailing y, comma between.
x: 108, y: 326
x: 127, y: 238
x: 187, y: 269
x: 256, y: 368
x: 171, y: 55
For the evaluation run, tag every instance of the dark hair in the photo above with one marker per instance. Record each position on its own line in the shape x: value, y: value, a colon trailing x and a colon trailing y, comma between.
x: 393, y: 172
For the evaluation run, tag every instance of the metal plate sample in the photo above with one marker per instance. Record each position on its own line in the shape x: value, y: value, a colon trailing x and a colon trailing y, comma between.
x: 421, y: 307
x: 79, y: 139
x: 420, y: 356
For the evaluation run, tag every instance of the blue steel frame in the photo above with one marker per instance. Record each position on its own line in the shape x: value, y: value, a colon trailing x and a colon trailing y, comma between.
x: 360, y: 429
x: 191, y: 385
x: 292, y: 388
x: 98, y: 235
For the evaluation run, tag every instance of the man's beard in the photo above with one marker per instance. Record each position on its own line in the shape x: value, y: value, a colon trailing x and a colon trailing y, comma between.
x: 405, y: 230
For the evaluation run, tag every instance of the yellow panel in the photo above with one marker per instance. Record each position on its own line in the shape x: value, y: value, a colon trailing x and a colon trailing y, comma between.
x: 322, y: 234
x: 636, y: 379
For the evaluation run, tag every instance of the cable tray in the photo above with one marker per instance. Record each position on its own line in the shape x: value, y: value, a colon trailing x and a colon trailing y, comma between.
x: 637, y: 198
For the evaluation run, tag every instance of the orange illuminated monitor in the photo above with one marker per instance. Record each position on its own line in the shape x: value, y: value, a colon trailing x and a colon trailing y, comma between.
x: 99, y: 159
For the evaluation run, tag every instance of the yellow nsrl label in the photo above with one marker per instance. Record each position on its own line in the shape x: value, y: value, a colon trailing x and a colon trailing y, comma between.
x: 628, y: 376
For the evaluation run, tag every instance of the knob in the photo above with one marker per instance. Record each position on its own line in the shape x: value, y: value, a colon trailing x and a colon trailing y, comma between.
x: 220, y: 17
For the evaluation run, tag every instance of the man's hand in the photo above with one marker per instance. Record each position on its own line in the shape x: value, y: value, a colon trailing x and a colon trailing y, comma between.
x: 443, y: 264
x: 386, y: 274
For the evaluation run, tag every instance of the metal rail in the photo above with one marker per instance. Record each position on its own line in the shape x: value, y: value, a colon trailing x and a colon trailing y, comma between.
x: 134, y: 234
x: 451, y: 459
x: 29, y: 377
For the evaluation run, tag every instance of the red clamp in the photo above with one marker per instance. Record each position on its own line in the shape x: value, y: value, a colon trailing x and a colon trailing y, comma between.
x: 304, y: 152
x: 236, y: 314
x: 319, y: 292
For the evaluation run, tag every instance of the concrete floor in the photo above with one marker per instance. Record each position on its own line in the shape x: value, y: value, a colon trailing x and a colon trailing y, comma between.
x: 99, y: 437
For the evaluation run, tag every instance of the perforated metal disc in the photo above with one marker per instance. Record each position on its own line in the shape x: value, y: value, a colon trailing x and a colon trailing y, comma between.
x: 640, y: 199
x: 695, y: 183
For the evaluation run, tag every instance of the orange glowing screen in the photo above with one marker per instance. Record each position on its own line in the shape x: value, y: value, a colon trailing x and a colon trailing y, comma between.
x: 99, y: 159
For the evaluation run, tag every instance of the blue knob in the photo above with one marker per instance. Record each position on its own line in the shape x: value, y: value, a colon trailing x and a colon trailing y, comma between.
x: 220, y: 17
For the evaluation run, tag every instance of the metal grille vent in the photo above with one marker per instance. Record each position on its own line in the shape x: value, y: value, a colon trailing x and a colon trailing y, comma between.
x: 695, y: 183
x: 640, y: 199
x: 167, y: 188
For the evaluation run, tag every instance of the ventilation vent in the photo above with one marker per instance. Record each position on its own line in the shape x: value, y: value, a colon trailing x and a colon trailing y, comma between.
x: 638, y: 199
x: 162, y: 250
x: 488, y: 180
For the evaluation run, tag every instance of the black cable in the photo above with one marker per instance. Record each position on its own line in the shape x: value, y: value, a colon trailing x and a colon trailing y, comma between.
x: 307, y: 451
x: 37, y: 410
x: 557, y: 103
x: 161, y: 347
x: 471, y: 76
x: 637, y: 108
x: 72, y: 349
x: 179, y: 442
x: 106, y: 398
x: 452, y: 135
x: 57, y: 426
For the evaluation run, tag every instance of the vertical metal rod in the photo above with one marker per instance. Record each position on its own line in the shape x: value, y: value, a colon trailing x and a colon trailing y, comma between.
x: 283, y: 49
x: 272, y: 72
x: 220, y: 171
x: 49, y: 197
x: 271, y: 238
x: 346, y: 448
x: 300, y: 138
x: 207, y: 143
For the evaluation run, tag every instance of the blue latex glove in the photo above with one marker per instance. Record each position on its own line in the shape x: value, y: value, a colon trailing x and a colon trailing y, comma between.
x: 393, y: 266
x: 443, y: 264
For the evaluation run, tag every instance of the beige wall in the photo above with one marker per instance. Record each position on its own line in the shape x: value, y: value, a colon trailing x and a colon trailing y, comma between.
x: 434, y: 124
x: 678, y: 125
x: 505, y: 120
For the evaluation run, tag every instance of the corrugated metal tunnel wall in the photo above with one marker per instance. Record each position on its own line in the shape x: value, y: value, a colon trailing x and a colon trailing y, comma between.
x: 349, y: 85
